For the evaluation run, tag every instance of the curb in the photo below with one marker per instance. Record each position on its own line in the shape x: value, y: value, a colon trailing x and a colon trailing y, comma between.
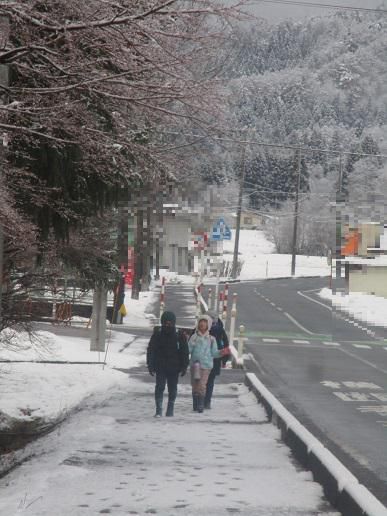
x: 341, y: 487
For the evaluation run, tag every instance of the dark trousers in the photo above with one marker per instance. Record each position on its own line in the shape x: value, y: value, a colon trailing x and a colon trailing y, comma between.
x: 163, y: 378
x: 210, y: 386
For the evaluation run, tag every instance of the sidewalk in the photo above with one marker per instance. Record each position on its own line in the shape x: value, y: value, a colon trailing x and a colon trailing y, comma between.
x: 113, y: 457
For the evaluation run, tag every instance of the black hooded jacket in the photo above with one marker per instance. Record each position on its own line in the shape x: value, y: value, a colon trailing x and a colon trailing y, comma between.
x: 167, y: 351
x: 217, y: 330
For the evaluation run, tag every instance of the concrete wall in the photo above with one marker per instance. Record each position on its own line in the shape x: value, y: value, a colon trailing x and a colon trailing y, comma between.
x: 370, y: 280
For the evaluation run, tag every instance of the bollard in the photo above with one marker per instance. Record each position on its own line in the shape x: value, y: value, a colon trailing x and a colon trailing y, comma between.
x: 241, y: 340
x: 241, y: 343
x: 233, y: 317
x: 162, y: 296
x: 209, y: 301
x: 225, y: 303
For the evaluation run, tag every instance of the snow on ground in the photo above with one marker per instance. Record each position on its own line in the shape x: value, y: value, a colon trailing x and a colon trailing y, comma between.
x: 260, y: 261
x: 365, y: 307
x: 45, y: 392
x: 138, y: 310
x: 138, y: 314
x: 115, y: 458
x: 33, y: 391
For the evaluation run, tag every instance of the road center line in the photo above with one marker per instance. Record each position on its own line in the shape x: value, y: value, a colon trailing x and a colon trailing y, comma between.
x: 292, y: 319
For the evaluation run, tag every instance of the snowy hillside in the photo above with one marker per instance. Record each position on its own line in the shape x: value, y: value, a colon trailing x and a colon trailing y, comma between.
x: 260, y: 260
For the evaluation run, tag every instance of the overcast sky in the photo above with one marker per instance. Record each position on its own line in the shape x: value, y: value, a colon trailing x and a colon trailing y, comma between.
x: 278, y: 12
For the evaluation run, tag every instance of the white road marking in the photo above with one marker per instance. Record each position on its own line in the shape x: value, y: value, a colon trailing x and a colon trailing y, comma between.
x: 298, y: 324
x: 333, y: 385
x: 361, y: 385
x: 294, y: 321
x: 354, y: 396
x: 301, y: 341
x: 367, y: 362
x: 362, y: 346
x: 270, y: 340
x: 381, y: 410
x: 328, y: 343
x: 315, y: 300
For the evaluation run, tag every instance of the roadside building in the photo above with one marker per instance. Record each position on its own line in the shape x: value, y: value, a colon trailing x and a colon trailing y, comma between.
x: 364, y: 253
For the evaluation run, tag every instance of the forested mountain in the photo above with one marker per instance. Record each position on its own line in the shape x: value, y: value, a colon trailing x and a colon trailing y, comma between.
x: 319, y: 84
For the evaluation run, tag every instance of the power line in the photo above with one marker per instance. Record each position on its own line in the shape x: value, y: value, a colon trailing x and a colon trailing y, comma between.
x: 323, y: 5
x: 271, y: 145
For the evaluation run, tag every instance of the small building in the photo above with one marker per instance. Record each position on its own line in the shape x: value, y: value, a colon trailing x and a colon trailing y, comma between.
x: 365, y: 259
x: 249, y: 220
x: 186, y: 222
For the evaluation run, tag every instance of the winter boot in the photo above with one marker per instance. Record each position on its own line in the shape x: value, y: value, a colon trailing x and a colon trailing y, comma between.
x: 159, y: 407
x: 170, y: 406
x: 207, y: 404
x: 200, y: 404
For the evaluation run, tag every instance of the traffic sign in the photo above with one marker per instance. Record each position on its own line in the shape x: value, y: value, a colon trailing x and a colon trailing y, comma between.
x: 220, y: 230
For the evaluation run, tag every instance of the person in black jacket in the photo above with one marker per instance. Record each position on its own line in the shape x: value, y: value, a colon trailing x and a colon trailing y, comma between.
x: 217, y: 330
x: 167, y: 356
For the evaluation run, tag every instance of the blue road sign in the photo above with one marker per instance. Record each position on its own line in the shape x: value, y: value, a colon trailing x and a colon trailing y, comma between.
x: 221, y: 231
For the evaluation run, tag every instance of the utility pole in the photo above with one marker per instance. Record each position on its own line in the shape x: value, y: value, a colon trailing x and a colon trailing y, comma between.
x: 4, y: 81
x: 239, y: 213
x: 295, y: 223
x: 340, y: 186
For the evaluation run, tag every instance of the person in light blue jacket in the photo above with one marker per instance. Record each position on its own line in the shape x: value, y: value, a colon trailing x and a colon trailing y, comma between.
x: 203, y: 349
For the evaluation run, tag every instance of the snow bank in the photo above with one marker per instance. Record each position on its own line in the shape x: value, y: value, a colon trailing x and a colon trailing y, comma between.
x: 46, y: 392
x: 365, y: 307
x: 260, y: 262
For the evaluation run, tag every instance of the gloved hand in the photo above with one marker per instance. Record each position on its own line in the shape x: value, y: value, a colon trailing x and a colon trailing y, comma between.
x: 225, y: 352
x: 183, y: 372
x: 151, y: 371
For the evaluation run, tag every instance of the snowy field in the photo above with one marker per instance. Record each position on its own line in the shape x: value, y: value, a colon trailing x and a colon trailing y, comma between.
x: 46, y: 392
x: 260, y: 261
x: 365, y: 307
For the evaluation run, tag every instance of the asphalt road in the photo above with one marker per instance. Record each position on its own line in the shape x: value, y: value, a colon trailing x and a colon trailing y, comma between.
x: 327, y: 369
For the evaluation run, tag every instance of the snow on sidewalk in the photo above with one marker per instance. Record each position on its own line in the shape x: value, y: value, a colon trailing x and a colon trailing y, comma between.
x: 115, y: 458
